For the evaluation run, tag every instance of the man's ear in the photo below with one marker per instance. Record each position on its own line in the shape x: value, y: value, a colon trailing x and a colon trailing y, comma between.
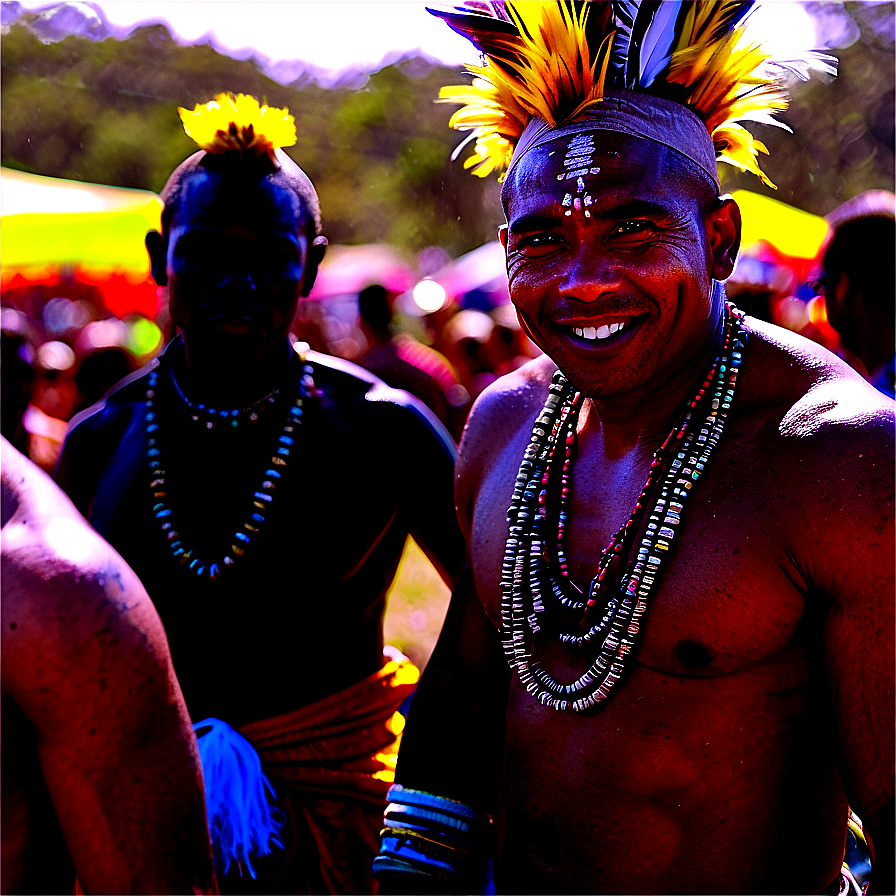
x: 316, y: 253
x: 157, y: 246
x: 502, y: 235
x: 840, y: 291
x: 723, y: 233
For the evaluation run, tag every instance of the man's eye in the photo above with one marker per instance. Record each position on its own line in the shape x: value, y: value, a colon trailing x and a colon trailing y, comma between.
x: 537, y: 242
x: 638, y: 225
x: 197, y: 252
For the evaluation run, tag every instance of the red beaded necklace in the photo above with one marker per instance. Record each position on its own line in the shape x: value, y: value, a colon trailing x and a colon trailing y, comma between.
x: 535, y: 565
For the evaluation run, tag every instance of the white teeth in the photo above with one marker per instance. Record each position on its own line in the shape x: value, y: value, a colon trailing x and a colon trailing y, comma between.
x: 598, y: 332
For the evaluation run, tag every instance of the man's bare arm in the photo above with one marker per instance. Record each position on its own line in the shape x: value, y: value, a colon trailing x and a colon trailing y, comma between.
x: 86, y: 660
x: 425, y: 477
x: 454, y: 739
x: 849, y: 533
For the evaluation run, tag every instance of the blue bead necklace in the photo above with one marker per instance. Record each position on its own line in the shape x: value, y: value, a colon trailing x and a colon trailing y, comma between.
x: 211, y: 417
x: 261, y: 499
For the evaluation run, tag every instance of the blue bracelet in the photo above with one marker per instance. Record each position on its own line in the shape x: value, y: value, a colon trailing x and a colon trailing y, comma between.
x: 431, y: 836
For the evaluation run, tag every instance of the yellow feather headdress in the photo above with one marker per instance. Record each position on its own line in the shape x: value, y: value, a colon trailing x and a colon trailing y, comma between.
x: 239, y: 124
x: 553, y: 59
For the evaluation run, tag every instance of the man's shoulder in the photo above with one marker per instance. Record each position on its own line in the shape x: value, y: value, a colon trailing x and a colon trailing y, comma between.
x: 827, y: 433
x: 509, y: 403
x: 813, y: 397
x: 116, y: 405
x: 359, y: 393
x: 62, y: 583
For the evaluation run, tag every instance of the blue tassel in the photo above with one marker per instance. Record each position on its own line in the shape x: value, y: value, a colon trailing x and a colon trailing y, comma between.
x: 242, y: 821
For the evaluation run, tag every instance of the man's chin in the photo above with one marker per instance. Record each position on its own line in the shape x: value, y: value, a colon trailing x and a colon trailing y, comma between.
x: 234, y: 339
x: 233, y: 327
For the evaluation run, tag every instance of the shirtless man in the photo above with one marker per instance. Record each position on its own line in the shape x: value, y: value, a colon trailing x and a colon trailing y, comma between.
x: 268, y: 533
x: 738, y: 693
x: 101, y: 775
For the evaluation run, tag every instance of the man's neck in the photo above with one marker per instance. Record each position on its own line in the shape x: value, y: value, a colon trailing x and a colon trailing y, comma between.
x: 643, y: 417
x: 230, y: 382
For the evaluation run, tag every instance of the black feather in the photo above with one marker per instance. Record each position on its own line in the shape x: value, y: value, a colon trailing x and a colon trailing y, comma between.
x: 489, y: 35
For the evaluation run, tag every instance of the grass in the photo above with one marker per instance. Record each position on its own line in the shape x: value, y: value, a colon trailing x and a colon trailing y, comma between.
x: 416, y: 605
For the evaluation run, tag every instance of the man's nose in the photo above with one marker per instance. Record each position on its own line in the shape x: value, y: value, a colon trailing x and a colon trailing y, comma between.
x: 238, y: 280
x: 592, y: 273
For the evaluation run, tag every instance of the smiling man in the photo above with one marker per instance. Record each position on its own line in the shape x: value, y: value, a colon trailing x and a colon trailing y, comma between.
x: 675, y: 648
x: 264, y: 495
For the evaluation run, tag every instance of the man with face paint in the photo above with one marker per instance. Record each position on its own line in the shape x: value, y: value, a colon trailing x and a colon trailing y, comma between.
x: 263, y: 494
x: 674, y: 650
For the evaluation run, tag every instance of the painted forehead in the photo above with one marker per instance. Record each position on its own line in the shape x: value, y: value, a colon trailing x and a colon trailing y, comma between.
x: 576, y: 169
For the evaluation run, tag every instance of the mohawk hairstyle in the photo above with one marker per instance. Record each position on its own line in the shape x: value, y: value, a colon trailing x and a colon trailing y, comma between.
x: 240, y: 126
x: 240, y: 136
x: 554, y: 59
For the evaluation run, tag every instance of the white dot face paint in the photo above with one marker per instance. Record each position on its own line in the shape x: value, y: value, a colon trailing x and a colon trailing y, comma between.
x: 579, y: 164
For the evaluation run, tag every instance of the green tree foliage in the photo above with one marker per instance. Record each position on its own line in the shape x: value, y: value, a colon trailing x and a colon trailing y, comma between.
x: 377, y: 147
x: 842, y: 141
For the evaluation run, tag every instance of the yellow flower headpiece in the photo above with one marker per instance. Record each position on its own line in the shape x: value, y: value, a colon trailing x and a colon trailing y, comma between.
x: 239, y: 124
x: 553, y: 59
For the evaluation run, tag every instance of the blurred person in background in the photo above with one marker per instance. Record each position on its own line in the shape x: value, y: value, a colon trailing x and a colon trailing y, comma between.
x: 857, y: 283
x: 54, y: 399
x: 98, y: 372
x: 263, y: 494
x: 103, y: 359
x: 16, y: 377
x: 101, y: 773
x: 403, y: 362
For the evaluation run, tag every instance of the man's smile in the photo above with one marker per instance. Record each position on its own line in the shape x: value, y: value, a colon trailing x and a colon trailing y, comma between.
x: 602, y: 333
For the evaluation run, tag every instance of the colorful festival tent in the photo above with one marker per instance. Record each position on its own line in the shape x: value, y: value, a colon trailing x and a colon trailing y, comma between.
x: 51, y: 227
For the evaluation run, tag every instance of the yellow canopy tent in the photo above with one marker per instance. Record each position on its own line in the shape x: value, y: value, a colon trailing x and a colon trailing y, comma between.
x: 791, y: 231
x: 52, y: 228
x: 47, y: 223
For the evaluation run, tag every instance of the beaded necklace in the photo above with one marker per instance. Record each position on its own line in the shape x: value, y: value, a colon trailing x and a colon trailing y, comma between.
x: 211, y: 417
x: 261, y: 499
x: 534, y: 568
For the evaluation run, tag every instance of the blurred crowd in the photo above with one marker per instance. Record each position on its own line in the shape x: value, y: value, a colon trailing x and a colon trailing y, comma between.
x: 63, y: 348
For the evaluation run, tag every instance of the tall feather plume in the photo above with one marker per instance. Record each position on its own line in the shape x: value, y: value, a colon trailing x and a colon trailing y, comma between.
x: 655, y: 44
x: 624, y: 12
x: 547, y: 59
x: 551, y: 59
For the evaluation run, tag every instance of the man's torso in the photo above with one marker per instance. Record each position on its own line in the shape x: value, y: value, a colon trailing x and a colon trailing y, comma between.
x: 298, y: 617
x: 715, y: 755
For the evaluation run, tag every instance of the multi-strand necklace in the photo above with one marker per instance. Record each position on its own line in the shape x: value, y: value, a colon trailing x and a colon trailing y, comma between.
x: 539, y: 600
x: 262, y: 498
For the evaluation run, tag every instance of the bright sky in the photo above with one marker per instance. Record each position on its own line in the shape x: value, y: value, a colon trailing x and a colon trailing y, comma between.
x: 332, y: 34
x: 335, y: 34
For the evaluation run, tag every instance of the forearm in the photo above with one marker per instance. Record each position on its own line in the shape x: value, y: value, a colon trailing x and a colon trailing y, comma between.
x: 459, y: 709
x: 438, y: 831
x: 450, y: 720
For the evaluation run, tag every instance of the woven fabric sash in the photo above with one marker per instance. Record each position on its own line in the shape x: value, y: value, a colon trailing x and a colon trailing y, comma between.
x: 344, y: 745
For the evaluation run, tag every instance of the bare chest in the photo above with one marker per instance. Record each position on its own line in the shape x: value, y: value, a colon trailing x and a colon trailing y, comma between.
x: 726, y: 597
x: 213, y: 486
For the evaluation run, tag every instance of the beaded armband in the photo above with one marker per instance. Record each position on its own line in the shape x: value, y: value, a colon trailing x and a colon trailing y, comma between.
x: 430, y: 836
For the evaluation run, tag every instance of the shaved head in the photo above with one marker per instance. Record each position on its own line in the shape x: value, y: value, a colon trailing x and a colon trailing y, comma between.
x: 288, y: 175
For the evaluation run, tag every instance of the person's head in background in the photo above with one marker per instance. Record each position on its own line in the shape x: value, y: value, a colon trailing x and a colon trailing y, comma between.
x: 375, y: 314
x: 858, y: 282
